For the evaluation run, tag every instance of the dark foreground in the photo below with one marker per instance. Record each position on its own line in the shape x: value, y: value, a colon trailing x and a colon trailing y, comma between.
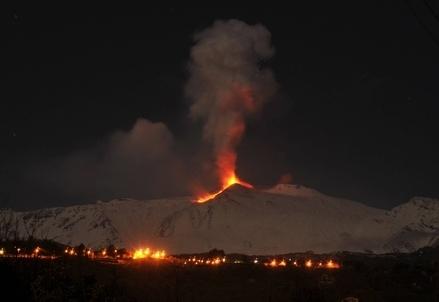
x: 412, y: 277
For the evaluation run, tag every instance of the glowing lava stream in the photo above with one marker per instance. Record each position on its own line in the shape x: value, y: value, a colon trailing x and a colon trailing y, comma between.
x: 226, y: 162
x: 232, y: 180
x: 232, y: 129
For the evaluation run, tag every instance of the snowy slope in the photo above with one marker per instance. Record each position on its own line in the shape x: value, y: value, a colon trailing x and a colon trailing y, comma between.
x: 286, y: 218
x: 410, y: 226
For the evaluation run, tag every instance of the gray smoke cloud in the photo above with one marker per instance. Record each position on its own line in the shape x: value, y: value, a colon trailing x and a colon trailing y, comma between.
x: 138, y: 163
x: 229, y: 81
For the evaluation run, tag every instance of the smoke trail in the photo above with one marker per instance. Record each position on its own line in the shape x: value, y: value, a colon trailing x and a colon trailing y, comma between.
x: 228, y: 82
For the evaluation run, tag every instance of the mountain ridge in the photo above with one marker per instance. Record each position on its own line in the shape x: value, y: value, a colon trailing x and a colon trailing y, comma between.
x: 285, y: 218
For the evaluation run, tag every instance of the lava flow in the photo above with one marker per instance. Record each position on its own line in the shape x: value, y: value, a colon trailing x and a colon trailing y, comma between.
x: 231, y: 132
x: 232, y: 180
x: 226, y: 167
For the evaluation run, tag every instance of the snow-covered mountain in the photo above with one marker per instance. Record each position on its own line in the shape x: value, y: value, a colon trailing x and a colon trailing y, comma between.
x: 285, y: 218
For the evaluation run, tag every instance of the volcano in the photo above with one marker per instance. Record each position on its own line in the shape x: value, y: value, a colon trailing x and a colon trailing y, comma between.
x: 228, y: 185
x: 284, y: 218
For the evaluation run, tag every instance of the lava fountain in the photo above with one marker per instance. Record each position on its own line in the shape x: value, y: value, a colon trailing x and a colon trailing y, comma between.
x: 226, y: 164
x: 229, y: 81
x: 232, y: 131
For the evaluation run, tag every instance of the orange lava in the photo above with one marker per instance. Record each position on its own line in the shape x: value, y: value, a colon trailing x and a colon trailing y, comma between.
x: 240, y: 102
x: 232, y: 180
x: 226, y: 165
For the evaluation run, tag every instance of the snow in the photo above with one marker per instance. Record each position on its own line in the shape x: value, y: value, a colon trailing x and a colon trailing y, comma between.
x: 285, y: 218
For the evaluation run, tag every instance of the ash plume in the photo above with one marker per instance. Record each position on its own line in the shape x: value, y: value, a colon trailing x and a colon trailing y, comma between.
x: 227, y: 83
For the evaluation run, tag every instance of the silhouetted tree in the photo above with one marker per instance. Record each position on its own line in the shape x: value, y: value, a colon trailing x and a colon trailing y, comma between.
x: 80, y: 249
x: 122, y: 252
x: 216, y: 253
x: 111, y: 251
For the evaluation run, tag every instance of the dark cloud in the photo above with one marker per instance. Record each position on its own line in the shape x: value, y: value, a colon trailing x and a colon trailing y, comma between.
x: 139, y: 163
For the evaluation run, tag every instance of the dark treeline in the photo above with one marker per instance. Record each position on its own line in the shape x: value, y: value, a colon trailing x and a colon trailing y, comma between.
x: 367, y: 277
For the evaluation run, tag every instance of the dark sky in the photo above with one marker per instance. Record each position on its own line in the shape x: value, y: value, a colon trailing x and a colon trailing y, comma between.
x: 356, y: 114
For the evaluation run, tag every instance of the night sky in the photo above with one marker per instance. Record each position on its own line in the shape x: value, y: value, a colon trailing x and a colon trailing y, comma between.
x: 355, y: 115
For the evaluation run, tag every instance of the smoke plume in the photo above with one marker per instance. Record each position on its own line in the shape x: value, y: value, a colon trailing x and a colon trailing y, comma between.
x: 138, y: 163
x: 228, y: 82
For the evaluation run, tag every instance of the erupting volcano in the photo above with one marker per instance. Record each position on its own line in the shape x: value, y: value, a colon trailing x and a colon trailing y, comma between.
x: 227, y: 183
x: 228, y: 82
x: 226, y: 167
x: 231, y: 131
